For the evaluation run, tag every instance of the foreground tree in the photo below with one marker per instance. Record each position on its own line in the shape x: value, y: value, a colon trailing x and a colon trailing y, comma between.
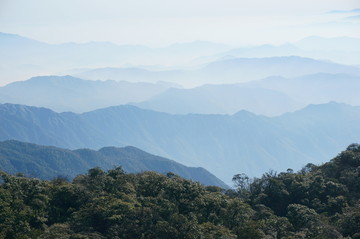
x: 320, y: 202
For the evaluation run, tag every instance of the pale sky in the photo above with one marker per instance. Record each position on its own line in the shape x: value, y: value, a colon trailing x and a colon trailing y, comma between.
x: 162, y: 22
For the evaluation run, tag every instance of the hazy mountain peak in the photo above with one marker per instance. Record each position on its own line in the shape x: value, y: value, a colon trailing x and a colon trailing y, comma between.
x: 53, y: 78
x: 69, y: 93
x: 332, y: 105
x: 22, y: 108
x: 14, y: 39
x: 331, y: 109
x: 244, y: 113
x: 118, y: 109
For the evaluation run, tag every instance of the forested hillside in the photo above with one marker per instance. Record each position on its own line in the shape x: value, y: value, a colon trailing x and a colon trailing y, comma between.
x: 317, y: 202
x: 47, y: 162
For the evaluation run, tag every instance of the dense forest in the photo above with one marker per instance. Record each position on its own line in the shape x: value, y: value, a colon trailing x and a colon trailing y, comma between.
x: 319, y: 202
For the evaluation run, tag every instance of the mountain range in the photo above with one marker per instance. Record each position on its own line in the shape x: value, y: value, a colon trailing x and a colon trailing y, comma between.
x: 188, y: 64
x: 48, y: 162
x: 133, y: 74
x: 344, y: 50
x: 223, y: 144
x: 221, y: 99
x: 235, y: 70
x: 270, y: 96
x: 22, y: 58
x: 316, y: 88
x: 67, y: 93
x: 226, y: 71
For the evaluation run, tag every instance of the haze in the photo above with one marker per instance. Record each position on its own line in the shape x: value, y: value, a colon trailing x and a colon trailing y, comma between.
x: 161, y: 22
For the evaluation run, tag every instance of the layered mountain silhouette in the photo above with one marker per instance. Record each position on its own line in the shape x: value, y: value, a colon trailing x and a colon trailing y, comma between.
x: 48, y: 162
x: 192, y: 64
x: 271, y: 96
x: 344, y: 50
x: 228, y: 70
x: 22, y: 58
x: 133, y: 74
x: 223, y: 144
x: 317, y: 88
x: 246, y: 69
x: 221, y: 99
x: 67, y: 93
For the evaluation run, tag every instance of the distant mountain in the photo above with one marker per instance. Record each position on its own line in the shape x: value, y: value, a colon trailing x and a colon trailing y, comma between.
x: 237, y: 70
x: 49, y: 162
x: 270, y: 96
x: 18, y: 41
x: 67, y: 93
x: 340, y: 50
x: 221, y: 99
x: 263, y: 51
x: 316, y: 88
x: 227, y: 70
x: 223, y: 144
x: 36, y: 52
x: 132, y: 75
x: 193, y: 64
x: 22, y: 58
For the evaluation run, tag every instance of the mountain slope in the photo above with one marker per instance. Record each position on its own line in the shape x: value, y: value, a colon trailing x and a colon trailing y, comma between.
x: 227, y: 70
x: 341, y: 50
x: 247, y: 69
x: 132, y: 74
x: 221, y: 99
x: 223, y: 144
x: 316, y: 88
x: 270, y: 96
x: 67, y: 93
x: 48, y: 162
x: 23, y: 58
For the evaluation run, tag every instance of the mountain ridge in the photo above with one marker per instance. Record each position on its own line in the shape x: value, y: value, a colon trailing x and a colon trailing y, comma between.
x: 48, y: 162
x: 271, y: 96
x: 223, y: 144
x: 68, y: 93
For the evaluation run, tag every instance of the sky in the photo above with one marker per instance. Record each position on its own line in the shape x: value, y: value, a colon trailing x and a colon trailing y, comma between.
x: 163, y: 22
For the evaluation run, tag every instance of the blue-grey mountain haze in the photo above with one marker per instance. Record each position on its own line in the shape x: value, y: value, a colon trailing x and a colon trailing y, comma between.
x: 22, y: 58
x: 270, y: 96
x: 67, y: 93
x: 223, y: 144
